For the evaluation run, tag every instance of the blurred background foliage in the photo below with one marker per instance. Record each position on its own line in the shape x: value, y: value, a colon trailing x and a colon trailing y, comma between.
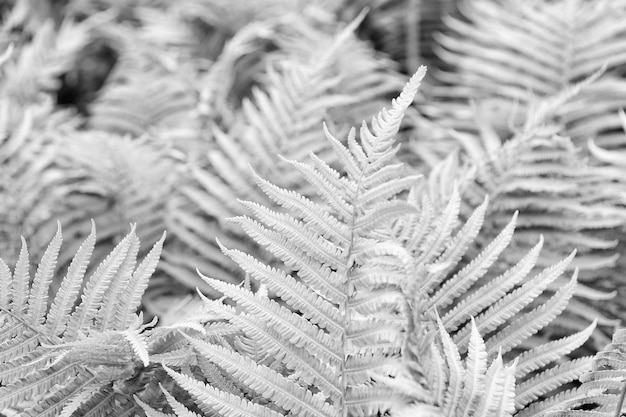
x: 157, y: 113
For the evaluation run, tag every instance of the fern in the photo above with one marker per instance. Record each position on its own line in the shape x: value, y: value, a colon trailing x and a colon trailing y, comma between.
x: 507, y: 308
x: 602, y: 389
x: 366, y: 290
x: 472, y: 387
x: 343, y: 240
x: 58, y: 356
x: 504, y: 56
x: 562, y: 198
x: 322, y: 361
x: 300, y: 92
x: 143, y: 93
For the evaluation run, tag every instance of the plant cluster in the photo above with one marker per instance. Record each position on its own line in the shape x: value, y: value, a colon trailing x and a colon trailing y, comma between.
x: 340, y: 241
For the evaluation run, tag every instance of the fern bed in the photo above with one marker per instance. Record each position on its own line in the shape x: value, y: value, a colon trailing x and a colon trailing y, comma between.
x: 344, y: 208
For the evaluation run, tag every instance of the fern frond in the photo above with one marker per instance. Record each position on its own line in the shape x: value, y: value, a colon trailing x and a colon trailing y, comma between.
x: 473, y: 271
x: 312, y: 76
x: 492, y: 291
x: 59, y: 356
x: 529, y: 323
x: 38, y: 299
x: 504, y: 56
x: 550, y: 379
x: 602, y: 384
x: 70, y: 286
x: 226, y: 403
x: 333, y: 318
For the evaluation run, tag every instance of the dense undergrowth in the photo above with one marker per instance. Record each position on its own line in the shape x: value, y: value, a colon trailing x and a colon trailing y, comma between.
x: 348, y: 232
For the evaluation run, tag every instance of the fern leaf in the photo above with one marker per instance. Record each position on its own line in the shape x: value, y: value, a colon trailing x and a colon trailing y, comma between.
x: 335, y: 266
x: 115, y: 288
x: 330, y: 194
x: 298, y: 232
x: 461, y: 242
x: 456, y: 374
x: 5, y: 282
x: 139, y: 345
x: 137, y: 285
x: 494, y: 388
x: 528, y: 324
x: 472, y: 272
x: 515, y: 301
x: 70, y: 286
x: 11, y: 395
x: 67, y: 366
x: 265, y: 381
x: 298, y: 331
x: 327, y: 225
x: 540, y: 356
x: 435, y: 242
x: 476, y: 369
x: 19, y: 288
x: 96, y: 287
x: 225, y: 403
x: 547, y: 381
x: 57, y: 403
x: 325, y: 281
x: 306, y: 366
x: 38, y: 299
x: 314, y: 308
x: 420, y: 230
x: 365, y: 400
x: 493, y: 291
x: 179, y: 409
x: 507, y: 402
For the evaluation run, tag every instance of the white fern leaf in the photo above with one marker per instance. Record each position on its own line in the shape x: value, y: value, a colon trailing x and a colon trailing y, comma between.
x: 179, y: 409
x: 435, y: 243
x: 542, y: 355
x: 494, y: 388
x: 512, y: 303
x: 456, y: 372
x: 137, y: 285
x: 476, y: 368
x: 546, y: 381
x: 70, y: 286
x: 473, y: 271
x: 298, y: 331
x: 138, y: 342
x: 96, y: 287
x: 327, y: 225
x: 116, y: 289
x: 507, y: 403
x: 38, y: 299
x: 327, y: 282
x: 462, y: 240
x: 265, y: 381
x: 314, y: 308
x: 493, y: 291
x: 5, y: 282
x: 528, y: 324
x: 21, y: 278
